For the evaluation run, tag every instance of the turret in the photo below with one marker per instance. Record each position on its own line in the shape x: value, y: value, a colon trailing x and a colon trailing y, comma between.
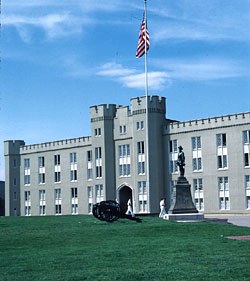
x: 12, y: 176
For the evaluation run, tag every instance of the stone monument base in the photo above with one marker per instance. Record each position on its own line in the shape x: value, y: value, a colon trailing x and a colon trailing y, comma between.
x: 184, y: 217
x: 183, y: 203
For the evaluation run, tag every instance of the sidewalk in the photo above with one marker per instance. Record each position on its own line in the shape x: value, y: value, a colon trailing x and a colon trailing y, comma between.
x: 240, y: 220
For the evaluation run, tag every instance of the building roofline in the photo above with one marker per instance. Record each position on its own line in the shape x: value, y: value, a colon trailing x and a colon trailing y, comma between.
x: 228, y: 116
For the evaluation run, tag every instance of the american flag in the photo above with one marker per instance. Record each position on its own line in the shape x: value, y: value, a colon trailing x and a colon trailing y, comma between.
x: 141, y: 42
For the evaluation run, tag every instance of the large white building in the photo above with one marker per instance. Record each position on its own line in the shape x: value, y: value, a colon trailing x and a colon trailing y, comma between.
x: 69, y: 176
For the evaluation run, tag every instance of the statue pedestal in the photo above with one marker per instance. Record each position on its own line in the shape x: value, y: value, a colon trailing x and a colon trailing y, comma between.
x: 183, y: 207
x: 184, y: 217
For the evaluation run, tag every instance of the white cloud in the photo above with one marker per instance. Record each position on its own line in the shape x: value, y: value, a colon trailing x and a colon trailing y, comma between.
x: 54, y: 25
x: 192, y: 20
x: 114, y: 70
x: 156, y: 80
x: 198, y: 32
x: 202, y: 69
x: 131, y: 78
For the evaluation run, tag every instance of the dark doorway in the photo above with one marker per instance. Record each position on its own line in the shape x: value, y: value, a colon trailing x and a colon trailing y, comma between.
x: 125, y: 193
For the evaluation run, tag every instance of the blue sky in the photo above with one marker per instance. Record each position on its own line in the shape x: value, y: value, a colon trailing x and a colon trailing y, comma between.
x: 61, y: 57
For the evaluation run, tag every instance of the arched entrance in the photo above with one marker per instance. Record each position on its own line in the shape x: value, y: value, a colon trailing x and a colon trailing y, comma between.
x: 124, y: 194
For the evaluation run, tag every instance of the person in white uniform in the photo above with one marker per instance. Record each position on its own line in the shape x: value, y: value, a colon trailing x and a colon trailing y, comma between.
x: 130, y: 210
x: 162, y: 208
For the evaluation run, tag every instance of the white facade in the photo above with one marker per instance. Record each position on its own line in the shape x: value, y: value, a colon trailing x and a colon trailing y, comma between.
x: 69, y: 176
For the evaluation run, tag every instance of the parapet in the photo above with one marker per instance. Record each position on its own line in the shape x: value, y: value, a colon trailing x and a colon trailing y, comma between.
x: 55, y: 145
x: 102, y: 111
x: 12, y: 146
x: 122, y: 111
x: 208, y: 123
x: 155, y: 104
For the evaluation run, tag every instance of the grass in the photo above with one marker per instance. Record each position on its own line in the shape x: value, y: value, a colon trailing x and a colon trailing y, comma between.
x: 76, y: 248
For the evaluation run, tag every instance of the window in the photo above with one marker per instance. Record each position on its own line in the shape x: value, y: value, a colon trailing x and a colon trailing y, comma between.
x: 142, y: 189
x: 98, y: 153
x: 57, y: 168
x: 123, y: 130
x: 141, y: 168
x: 247, y: 188
x: 140, y: 125
x: 74, y: 192
x: 89, y: 155
x: 173, y: 146
x: 98, y: 162
x: 90, y: 192
x: 42, y: 203
x: 98, y: 172
x: 73, y: 167
x: 124, y: 160
x: 90, y: 174
x: 41, y: 162
x: 224, y: 199
x: 124, y: 150
x: 142, y: 196
x: 140, y: 147
x: 197, y: 164
x: 173, y: 166
x: 246, y: 159
x: 197, y: 154
x: 74, y: 201
x: 26, y: 171
x: 27, y: 195
x: 98, y: 132
x: 27, y: 203
x: 141, y: 158
x: 41, y: 170
x: 58, y: 202
x: 26, y: 163
x: 198, y: 194
x: 41, y: 178
x: 221, y: 140
x: 124, y: 170
x: 57, y: 160
x: 57, y: 176
x: 222, y: 161
x: 173, y: 156
x: 89, y: 165
x: 99, y: 193
x: 246, y: 148
x: 90, y: 198
x: 222, y: 157
x: 196, y: 143
x: 26, y: 179
x: 246, y: 137
x: 73, y: 158
x: 73, y: 175
x: 172, y: 184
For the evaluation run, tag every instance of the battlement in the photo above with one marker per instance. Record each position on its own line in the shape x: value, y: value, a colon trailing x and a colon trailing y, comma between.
x: 208, y: 123
x: 123, y: 111
x: 55, y: 145
x: 12, y: 146
x: 155, y: 104
x: 102, y: 111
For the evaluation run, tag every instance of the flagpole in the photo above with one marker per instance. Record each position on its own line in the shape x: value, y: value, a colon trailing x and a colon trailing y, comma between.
x: 147, y: 115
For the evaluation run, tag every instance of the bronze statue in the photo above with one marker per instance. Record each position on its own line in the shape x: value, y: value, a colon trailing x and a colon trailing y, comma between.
x: 181, y: 161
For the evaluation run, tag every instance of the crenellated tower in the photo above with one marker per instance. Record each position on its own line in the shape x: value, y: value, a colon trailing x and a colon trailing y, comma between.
x: 12, y: 176
x: 103, y: 148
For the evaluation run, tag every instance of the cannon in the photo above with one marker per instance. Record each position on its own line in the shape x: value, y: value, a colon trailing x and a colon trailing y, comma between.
x: 110, y: 211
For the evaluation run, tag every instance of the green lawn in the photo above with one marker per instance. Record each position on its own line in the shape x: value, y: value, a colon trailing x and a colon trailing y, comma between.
x: 83, y: 248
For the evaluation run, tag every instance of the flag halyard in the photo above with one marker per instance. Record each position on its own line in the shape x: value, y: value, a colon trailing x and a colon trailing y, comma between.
x: 143, y: 39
